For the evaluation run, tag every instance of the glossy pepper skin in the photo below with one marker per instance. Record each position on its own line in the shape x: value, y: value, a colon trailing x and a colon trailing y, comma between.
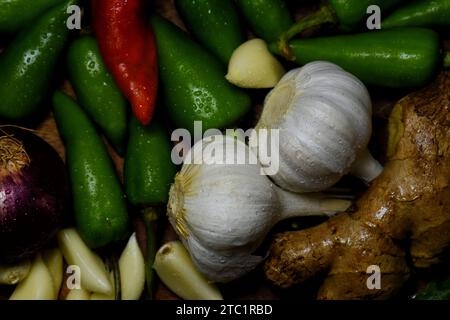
x: 96, y: 90
x: 422, y: 13
x: 193, y: 82
x: 395, y: 58
x: 351, y: 14
x: 215, y: 23
x: 128, y: 48
x: 28, y: 64
x: 99, y: 204
x: 149, y: 170
x: 17, y: 14
x: 267, y: 18
x: 347, y: 15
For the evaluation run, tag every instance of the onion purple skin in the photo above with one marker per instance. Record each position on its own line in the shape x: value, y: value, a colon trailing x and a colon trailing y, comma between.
x: 33, y: 193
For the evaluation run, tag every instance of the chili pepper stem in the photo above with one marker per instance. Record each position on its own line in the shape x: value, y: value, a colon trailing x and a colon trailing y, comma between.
x: 447, y: 60
x: 323, y: 16
x: 150, y: 217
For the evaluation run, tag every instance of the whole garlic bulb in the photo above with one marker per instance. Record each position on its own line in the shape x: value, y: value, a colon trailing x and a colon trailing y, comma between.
x: 222, y: 212
x: 324, y: 117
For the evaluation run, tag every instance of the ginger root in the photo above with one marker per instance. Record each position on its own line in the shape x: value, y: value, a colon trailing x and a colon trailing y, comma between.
x: 402, y: 221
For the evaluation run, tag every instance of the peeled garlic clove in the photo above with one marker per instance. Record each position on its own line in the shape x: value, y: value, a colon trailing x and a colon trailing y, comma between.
x: 253, y: 66
x: 109, y: 296
x: 94, y: 276
x: 13, y: 274
x: 38, y: 285
x: 78, y: 294
x: 132, y: 270
x: 175, y: 268
x: 324, y: 117
x: 53, y: 259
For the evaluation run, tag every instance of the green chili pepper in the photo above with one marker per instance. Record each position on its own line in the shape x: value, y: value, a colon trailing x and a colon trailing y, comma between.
x: 350, y: 14
x: 346, y: 14
x: 267, y: 18
x: 215, y: 23
x: 98, y: 201
x: 193, y: 81
x: 17, y: 14
x: 149, y: 170
x: 395, y: 58
x: 96, y: 90
x: 27, y: 65
x: 424, y: 13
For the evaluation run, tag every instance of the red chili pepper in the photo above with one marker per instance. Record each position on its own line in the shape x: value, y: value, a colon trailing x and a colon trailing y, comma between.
x: 128, y: 46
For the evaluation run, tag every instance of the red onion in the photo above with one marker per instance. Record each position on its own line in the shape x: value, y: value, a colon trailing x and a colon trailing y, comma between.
x: 33, y: 193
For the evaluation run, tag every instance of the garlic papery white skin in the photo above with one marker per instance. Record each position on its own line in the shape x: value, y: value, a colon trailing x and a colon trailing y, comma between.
x: 324, y: 116
x: 222, y: 212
